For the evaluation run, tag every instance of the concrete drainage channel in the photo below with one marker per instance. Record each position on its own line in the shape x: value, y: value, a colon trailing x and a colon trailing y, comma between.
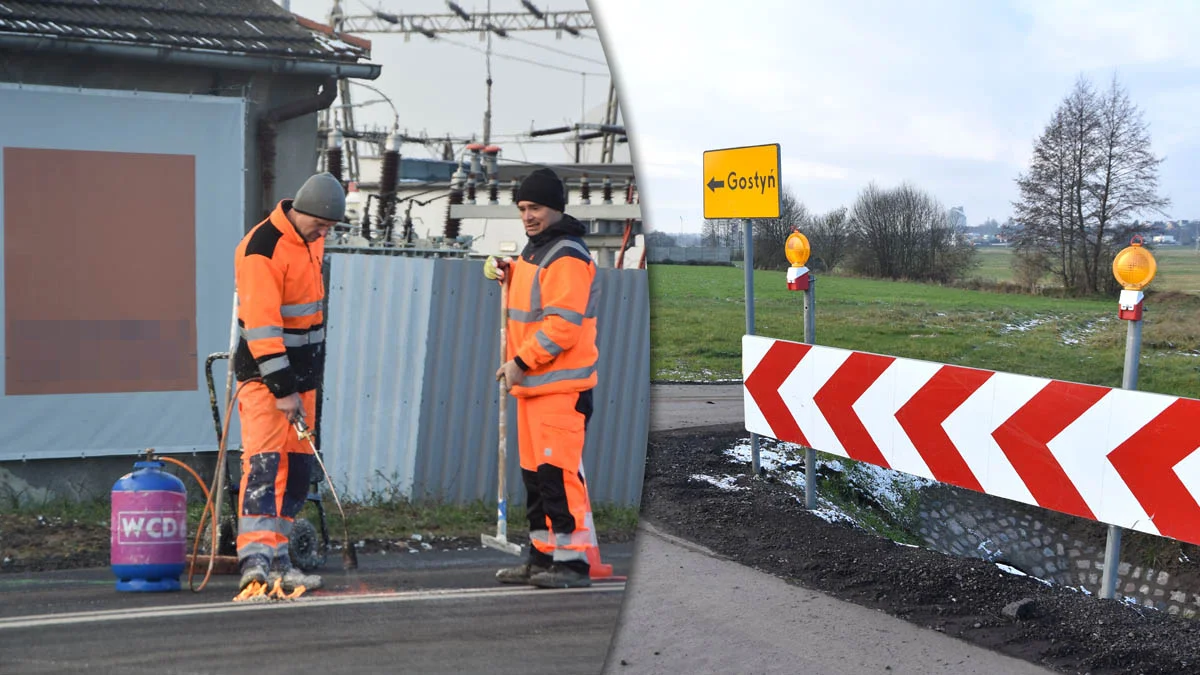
x: 1057, y: 548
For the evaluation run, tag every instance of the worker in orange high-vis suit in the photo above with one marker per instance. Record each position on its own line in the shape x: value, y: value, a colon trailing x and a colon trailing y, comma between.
x: 550, y: 369
x: 280, y: 293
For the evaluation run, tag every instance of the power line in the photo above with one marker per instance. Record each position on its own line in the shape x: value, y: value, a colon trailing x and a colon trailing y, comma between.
x: 557, y: 51
x: 523, y: 60
x: 569, y: 168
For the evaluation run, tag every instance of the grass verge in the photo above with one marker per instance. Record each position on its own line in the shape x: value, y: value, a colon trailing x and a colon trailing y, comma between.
x: 698, y: 319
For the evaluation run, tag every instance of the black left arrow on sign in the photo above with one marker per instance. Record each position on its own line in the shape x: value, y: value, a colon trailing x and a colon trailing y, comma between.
x: 713, y: 184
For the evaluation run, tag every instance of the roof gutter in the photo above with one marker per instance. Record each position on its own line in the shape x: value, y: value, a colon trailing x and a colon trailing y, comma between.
x: 191, y: 57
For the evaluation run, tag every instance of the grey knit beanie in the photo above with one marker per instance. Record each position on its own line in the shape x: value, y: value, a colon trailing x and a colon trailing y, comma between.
x: 321, y: 196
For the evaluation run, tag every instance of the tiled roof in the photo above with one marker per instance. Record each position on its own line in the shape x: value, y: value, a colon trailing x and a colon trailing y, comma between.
x: 258, y: 27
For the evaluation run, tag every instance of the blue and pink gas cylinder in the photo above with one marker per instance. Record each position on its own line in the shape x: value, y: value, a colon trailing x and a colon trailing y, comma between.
x: 149, y: 529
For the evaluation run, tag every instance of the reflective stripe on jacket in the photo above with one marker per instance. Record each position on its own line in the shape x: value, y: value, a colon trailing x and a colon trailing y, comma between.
x: 280, y: 296
x: 553, y: 298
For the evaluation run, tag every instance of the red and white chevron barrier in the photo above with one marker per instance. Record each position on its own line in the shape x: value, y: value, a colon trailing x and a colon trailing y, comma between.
x: 1121, y: 457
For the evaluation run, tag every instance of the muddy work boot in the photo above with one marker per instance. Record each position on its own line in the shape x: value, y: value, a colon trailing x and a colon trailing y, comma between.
x: 252, y: 574
x: 520, y: 574
x: 561, y: 576
x: 295, y: 577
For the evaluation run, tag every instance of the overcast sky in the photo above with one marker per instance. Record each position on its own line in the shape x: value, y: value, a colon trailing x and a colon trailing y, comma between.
x: 439, y: 86
x: 947, y: 95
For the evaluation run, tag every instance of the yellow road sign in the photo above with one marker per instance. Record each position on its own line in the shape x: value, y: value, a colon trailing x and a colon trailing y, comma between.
x: 742, y: 182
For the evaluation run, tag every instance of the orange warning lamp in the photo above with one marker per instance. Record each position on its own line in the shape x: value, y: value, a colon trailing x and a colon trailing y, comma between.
x: 797, y: 251
x: 1133, y: 267
x: 796, y: 248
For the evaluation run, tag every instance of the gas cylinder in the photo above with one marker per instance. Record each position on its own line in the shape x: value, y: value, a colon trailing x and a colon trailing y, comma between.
x: 149, y: 529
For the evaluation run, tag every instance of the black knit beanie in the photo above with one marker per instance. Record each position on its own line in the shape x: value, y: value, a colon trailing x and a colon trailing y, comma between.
x: 543, y: 187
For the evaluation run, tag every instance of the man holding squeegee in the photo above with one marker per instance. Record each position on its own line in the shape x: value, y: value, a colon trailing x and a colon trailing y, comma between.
x: 279, y: 358
x: 553, y: 296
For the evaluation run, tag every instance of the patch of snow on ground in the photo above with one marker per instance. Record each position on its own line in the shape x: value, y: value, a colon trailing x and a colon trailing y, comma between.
x: 1011, y: 570
x: 1026, y: 325
x: 768, y: 459
x: 1072, y: 336
x: 832, y: 515
x: 888, y: 486
x: 724, y: 482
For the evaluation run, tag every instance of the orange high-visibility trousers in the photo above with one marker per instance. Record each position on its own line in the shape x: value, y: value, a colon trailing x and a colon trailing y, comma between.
x: 551, y: 430
x: 276, y: 468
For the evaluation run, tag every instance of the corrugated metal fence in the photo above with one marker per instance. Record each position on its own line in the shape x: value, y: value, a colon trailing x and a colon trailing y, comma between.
x: 410, y: 402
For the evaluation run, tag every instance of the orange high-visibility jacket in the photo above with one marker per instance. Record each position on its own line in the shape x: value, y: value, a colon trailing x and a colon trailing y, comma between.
x: 280, y: 297
x: 553, y: 297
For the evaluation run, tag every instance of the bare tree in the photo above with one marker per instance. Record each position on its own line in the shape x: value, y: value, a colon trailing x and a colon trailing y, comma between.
x: 829, y: 237
x: 659, y: 239
x: 1092, y: 171
x: 1029, y: 265
x: 1126, y: 183
x: 718, y: 232
x: 905, y: 233
x: 709, y: 232
x: 770, y: 234
x: 873, y: 223
x: 1044, y: 211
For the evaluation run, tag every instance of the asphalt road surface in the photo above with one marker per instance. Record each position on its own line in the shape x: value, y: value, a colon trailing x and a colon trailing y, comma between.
x: 688, y: 610
x: 430, y: 612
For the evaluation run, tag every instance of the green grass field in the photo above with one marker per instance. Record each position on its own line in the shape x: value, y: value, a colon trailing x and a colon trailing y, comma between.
x: 1178, y: 267
x: 698, y: 318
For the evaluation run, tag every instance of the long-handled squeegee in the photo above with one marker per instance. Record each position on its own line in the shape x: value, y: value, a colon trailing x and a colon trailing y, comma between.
x: 500, y: 541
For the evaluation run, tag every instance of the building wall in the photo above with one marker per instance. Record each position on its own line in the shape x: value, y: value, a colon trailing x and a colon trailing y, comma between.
x: 117, y: 264
x: 32, y: 440
x: 296, y: 145
x: 296, y: 152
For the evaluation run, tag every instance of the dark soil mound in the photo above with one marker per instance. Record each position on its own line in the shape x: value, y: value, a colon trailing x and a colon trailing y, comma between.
x: 766, y: 527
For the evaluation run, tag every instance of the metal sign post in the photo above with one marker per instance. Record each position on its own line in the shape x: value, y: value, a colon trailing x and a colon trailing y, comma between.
x: 1134, y: 268
x: 799, y: 278
x: 744, y: 183
x: 748, y: 263
x: 810, y: 336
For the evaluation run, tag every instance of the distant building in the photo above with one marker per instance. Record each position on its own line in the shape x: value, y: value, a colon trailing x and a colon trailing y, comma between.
x: 957, y: 217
